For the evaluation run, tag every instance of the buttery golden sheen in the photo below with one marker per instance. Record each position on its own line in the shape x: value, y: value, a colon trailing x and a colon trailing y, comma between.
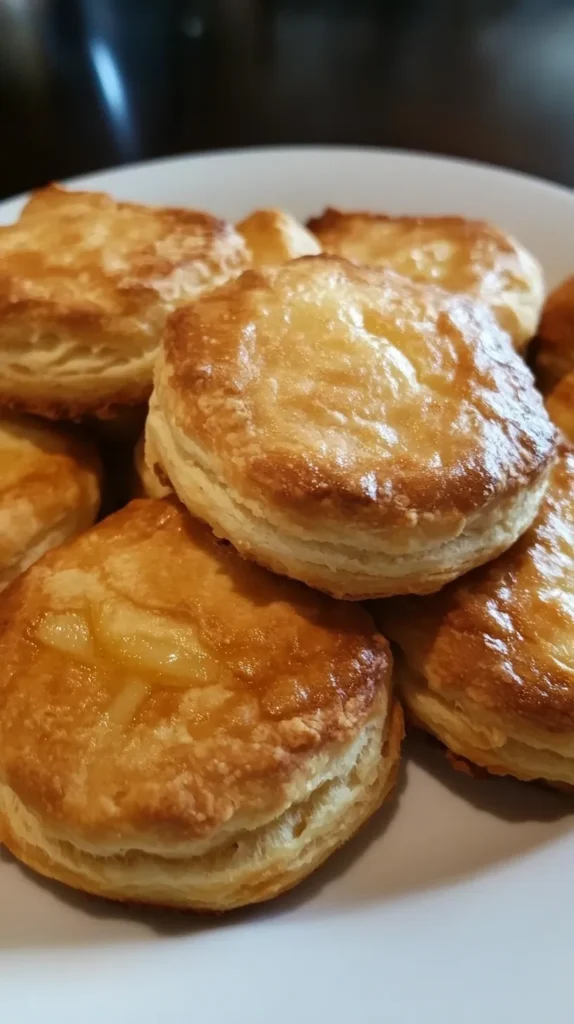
x: 85, y: 286
x: 273, y: 236
x: 348, y: 427
x: 488, y: 664
x: 180, y: 727
x: 461, y: 255
x: 49, y: 491
x: 555, y: 350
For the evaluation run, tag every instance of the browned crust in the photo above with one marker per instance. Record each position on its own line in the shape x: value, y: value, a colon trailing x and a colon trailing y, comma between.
x: 165, y: 239
x: 333, y: 226
x: 560, y: 405
x: 466, y: 767
x: 77, y: 410
x: 486, y: 642
x: 215, y: 400
x: 274, y: 236
x: 332, y: 222
x: 555, y: 350
x: 260, y: 887
x: 109, y: 297
x: 307, y: 671
x: 478, y: 770
x: 459, y: 254
x: 50, y: 480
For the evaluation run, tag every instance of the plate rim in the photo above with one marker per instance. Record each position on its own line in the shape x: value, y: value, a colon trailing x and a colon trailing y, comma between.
x: 309, y: 149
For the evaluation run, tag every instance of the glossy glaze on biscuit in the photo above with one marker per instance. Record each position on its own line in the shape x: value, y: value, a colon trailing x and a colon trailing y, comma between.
x: 85, y: 286
x: 348, y: 427
x: 179, y: 726
x: 49, y: 490
x: 488, y: 664
x: 460, y: 255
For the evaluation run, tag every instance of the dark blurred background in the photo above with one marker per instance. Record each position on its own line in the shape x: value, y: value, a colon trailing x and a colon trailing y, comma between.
x: 86, y: 84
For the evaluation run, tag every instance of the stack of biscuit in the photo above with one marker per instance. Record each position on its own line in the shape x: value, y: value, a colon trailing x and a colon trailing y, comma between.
x: 197, y: 707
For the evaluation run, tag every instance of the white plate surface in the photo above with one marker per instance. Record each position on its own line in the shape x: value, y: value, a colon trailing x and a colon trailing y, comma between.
x: 455, y: 904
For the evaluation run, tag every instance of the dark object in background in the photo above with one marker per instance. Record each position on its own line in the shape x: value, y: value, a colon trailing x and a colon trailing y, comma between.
x: 89, y: 83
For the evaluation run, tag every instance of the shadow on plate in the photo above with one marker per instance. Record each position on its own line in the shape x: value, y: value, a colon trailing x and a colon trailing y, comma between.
x: 38, y: 930
x: 439, y: 829
x: 501, y: 796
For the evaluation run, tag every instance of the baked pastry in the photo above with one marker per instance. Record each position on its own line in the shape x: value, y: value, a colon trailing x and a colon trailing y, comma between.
x: 180, y: 727
x: 273, y: 236
x: 49, y: 490
x: 487, y: 665
x: 85, y: 287
x: 348, y: 427
x: 560, y: 405
x: 555, y: 356
x: 461, y: 255
x: 147, y: 483
x: 555, y: 349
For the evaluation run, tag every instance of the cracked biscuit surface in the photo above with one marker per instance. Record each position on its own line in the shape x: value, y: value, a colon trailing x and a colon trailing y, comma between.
x: 487, y: 665
x: 461, y: 255
x: 85, y: 286
x: 348, y: 427
x: 50, y: 489
x: 178, y: 726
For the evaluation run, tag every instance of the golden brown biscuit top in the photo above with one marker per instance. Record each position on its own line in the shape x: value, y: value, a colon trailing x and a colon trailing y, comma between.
x: 334, y: 389
x: 460, y: 255
x: 153, y: 682
x: 502, y: 637
x: 555, y: 356
x: 273, y: 236
x: 84, y: 256
x: 46, y: 476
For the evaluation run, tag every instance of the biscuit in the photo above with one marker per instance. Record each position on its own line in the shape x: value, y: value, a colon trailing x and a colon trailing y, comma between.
x: 273, y: 236
x: 49, y: 490
x: 460, y: 255
x: 348, y: 427
x: 555, y: 349
x: 560, y: 405
x: 487, y: 665
x: 85, y: 287
x: 147, y: 483
x: 180, y: 727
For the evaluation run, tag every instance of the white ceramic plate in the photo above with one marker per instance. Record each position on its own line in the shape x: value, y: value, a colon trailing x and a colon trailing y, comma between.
x: 455, y: 904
